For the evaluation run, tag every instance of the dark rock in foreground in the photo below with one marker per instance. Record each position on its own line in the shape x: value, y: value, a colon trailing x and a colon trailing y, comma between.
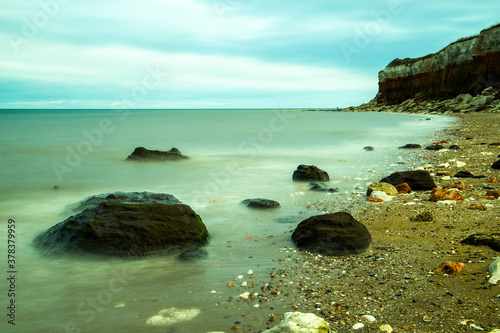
x: 261, y: 203
x: 411, y: 146
x: 418, y: 180
x: 496, y: 165
x: 466, y: 174
x: 143, y: 154
x: 310, y: 173
x: 332, y: 234
x: 321, y: 187
x: 493, y: 240
x: 126, y: 229
x: 435, y: 147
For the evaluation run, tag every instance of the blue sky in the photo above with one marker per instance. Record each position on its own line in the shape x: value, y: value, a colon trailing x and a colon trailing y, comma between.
x: 217, y: 53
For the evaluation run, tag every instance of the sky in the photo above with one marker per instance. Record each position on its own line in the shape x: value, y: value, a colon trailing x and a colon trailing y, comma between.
x: 185, y: 54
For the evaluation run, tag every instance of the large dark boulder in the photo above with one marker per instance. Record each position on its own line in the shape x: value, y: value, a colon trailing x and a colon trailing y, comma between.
x: 332, y: 234
x: 418, y: 180
x: 310, y: 173
x: 467, y: 174
x: 143, y: 154
x: 492, y: 240
x: 125, y: 229
x: 261, y: 203
x: 496, y: 165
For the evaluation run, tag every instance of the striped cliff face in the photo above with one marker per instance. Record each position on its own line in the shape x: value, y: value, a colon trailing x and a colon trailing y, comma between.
x: 468, y: 65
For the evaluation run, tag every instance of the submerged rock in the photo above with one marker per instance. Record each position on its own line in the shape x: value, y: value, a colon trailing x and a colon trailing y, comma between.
x: 261, y: 203
x: 332, y: 234
x: 310, y: 173
x: 411, y: 146
x: 126, y: 229
x: 418, y: 180
x: 297, y: 322
x: 369, y: 148
x: 172, y: 316
x: 143, y: 154
x: 321, y: 187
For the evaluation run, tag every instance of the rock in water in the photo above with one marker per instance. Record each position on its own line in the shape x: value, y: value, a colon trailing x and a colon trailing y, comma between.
x: 310, y: 173
x: 171, y: 316
x: 143, y: 154
x: 411, y: 146
x: 494, y: 270
x: 418, y: 180
x: 297, y: 322
x: 261, y: 203
x: 332, y: 234
x: 321, y: 187
x: 124, y: 229
x: 384, y: 187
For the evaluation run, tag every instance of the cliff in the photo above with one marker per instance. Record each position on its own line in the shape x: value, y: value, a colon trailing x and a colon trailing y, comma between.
x: 466, y: 66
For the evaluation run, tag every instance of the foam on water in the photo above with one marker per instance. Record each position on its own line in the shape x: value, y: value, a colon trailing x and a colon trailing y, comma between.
x: 235, y: 155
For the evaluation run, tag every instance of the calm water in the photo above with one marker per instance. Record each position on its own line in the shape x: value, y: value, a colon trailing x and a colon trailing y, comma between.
x: 235, y: 155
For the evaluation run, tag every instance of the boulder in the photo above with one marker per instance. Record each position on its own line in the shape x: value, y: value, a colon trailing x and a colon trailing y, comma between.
x: 297, y: 322
x: 125, y: 197
x: 261, y: 203
x: 381, y: 186
x: 403, y: 188
x: 439, y: 194
x: 143, y: 154
x: 492, y: 240
x: 369, y: 148
x: 496, y: 165
x: 310, y: 173
x: 332, y: 234
x: 418, y: 180
x: 411, y: 146
x: 321, y: 187
x: 125, y: 229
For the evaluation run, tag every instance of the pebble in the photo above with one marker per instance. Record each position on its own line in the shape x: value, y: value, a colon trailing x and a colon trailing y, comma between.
x: 368, y: 318
x: 358, y: 326
x: 476, y: 327
x: 250, y: 272
x: 245, y: 295
x: 385, y: 328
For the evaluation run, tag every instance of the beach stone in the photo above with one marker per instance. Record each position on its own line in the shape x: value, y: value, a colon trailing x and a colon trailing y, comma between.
x: 143, y: 154
x: 449, y: 267
x: 496, y: 165
x: 403, y: 188
x: 411, y: 146
x: 381, y: 195
x: 454, y: 147
x: 372, y: 199
x: 125, y: 229
x: 297, y: 322
x: 368, y: 318
x: 477, y: 206
x: 261, y: 203
x: 492, y: 240
x: 439, y: 194
x: 493, y: 193
x: 369, y: 148
x: 385, y: 328
x: 321, y: 187
x: 389, y: 189
x: 458, y: 185
x: 332, y: 234
x: 418, y: 180
x: 171, y: 316
x: 466, y: 174
x: 310, y: 173
x: 494, y: 270
x: 435, y: 147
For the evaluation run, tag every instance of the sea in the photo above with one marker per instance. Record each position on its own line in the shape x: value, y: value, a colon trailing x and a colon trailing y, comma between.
x: 51, y: 159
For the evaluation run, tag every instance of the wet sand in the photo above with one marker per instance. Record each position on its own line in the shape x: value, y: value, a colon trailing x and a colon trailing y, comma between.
x: 393, y: 279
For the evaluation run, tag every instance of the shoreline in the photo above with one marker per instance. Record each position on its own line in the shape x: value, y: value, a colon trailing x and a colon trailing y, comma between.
x: 393, y: 279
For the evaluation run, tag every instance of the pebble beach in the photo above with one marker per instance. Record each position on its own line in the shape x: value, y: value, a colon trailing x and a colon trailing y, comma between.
x: 392, y: 287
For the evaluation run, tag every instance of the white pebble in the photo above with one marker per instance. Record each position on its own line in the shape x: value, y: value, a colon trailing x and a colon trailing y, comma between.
x: 213, y: 292
x: 244, y: 284
x: 385, y: 328
x: 245, y: 295
x: 476, y: 327
x: 358, y: 326
x: 240, y: 277
x: 250, y: 272
x: 119, y: 305
x: 368, y: 318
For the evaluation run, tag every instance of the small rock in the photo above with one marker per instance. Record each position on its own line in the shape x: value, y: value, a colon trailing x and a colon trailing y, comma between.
x: 368, y: 148
x: 493, y: 180
x: 410, y: 146
x: 458, y: 185
x: 172, y: 316
x: 368, y: 318
x: 389, y: 189
x: 321, y: 187
x: 143, y: 154
x: 476, y: 327
x: 424, y: 217
x: 403, y: 188
x: 466, y: 174
x: 449, y: 267
x: 435, y: 147
x: 385, y: 328
x: 439, y: 194
x: 494, y: 270
x: 381, y: 195
x: 358, y: 326
x: 310, y: 173
x: 296, y: 322
x: 477, y: 206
